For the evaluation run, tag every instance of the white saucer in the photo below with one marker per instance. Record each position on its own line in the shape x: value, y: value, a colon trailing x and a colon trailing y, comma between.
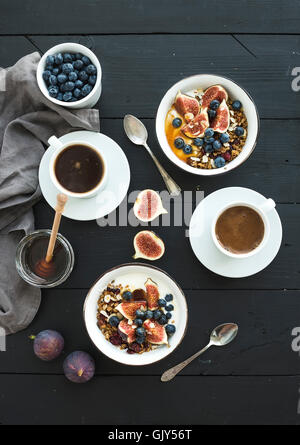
x: 204, y: 247
x: 107, y: 199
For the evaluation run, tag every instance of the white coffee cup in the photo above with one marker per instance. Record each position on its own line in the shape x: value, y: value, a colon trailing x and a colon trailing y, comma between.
x: 59, y: 147
x: 262, y: 211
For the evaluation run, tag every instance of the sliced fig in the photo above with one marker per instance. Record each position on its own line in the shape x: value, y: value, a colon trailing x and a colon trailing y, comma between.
x: 221, y: 122
x: 155, y: 333
x: 215, y: 92
x: 148, y: 206
x: 127, y: 331
x: 197, y: 126
x: 152, y: 294
x: 129, y: 308
x: 148, y: 246
x: 187, y: 106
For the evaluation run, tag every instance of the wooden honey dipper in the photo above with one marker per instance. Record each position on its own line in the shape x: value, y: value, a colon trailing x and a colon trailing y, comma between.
x: 45, y: 267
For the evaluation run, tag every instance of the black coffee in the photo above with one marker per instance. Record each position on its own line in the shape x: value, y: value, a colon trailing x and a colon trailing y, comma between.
x: 79, y: 168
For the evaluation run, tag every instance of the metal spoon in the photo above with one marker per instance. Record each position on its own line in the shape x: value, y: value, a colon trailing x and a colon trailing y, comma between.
x: 137, y: 133
x: 220, y: 336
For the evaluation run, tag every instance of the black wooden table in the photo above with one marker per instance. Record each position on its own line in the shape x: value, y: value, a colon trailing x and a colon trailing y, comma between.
x: 144, y: 47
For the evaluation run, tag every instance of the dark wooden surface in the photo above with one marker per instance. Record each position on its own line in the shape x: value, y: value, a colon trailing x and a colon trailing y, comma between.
x: 144, y: 47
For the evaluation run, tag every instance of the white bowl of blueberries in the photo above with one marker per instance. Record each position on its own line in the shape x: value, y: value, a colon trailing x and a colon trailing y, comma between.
x: 70, y: 75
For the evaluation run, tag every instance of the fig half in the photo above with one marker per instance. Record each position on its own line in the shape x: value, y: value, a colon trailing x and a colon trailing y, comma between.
x: 215, y: 92
x: 152, y: 294
x: 148, y: 246
x: 221, y: 122
x: 197, y: 126
x: 155, y: 333
x: 187, y: 106
x: 148, y: 206
x: 127, y: 331
x: 129, y: 308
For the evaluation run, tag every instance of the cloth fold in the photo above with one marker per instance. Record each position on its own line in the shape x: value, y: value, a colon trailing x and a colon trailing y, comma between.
x: 27, y: 120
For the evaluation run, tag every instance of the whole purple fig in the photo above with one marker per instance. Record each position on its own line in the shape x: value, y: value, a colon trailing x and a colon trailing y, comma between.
x: 79, y: 367
x: 48, y: 345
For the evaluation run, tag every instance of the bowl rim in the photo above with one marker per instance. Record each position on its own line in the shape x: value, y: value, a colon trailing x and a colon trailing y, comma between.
x: 216, y: 171
x: 73, y: 46
x: 151, y: 267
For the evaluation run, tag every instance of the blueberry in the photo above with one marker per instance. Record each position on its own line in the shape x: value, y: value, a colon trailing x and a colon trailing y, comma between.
x: 163, y: 320
x: 53, y: 80
x: 78, y: 64
x: 140, y: 314
x: 239, y: 131
x: 169, y: 308
x: 127, y: 295
x: 91, y: 69
x: 179, y: 143
x: 49, y: 68
x: 140, y: 340
x: 170, y: 329
x: 86, y: 90
x: 67, y: 96
x: 169, y: 297
x: 78, y: 84
x: 50, y: 60
x: 217, y: 145
x: 67, y: 68
x: 168, y: 315
x: 78, y: 56
x: 187, y: 149
x: 58, y: 59
x: 59, y: 96
x: 68, y: 58
x: 73, y: 56
x: 212, y: 114
x: 86, y: 60
x: 161, y: 302
x: 73, y: 76
x: 198, y: 142
x: 140, y: 332
x: 55, y: 71
x: 73, y: 99
x: 157, y: 314
x: 176, y: 122
x: 138, y: 322
x: 236, y: 105
x: 62, y: 78
x: 92, y: 80
x: 114, y: 321
x: 46, y: 74
x: 214, y: 105
x: 83, y: 75
x: 149, y: 314
x: 53, y: 91
x: 208, y: 148
x: 209, y: 132
x: 62, y: 88
x: 219, y: 162
x: 209, y: 140
x: 224, y: 138
x: 69, y: 86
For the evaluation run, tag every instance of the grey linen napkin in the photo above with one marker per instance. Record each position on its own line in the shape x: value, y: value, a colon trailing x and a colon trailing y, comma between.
x: 27, y: 120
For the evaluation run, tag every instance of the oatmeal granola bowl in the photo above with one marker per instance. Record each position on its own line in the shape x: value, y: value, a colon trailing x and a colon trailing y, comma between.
x: 207, y: 124
x: 136, y: 314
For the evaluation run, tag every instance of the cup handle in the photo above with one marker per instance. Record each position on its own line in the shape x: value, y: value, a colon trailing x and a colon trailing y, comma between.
x: 55, y: 142
x: 268, y: 205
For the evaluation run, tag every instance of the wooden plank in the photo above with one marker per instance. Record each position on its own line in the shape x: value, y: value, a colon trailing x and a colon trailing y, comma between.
x: 48, y: 400
x: 139, y: 16
x: 138, y: 70
x: 13, y: 48
x: 263, y: 346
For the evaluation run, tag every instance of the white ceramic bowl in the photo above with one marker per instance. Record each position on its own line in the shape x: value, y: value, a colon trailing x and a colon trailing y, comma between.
x: 91, y: 99
x: 235, y: 92
x: 136, y: 274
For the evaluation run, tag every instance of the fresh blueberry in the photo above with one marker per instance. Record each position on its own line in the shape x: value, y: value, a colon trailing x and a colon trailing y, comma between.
x: 127, y: 295
x: 52, y: 80
x: 83, y: 75
x: 239, y: 131
x: 91, y: 69
x: 157, y: 314
x: 217, y: 145
x: 212, y: 114
x: 187, y: 149
x: 224, y: 138
x: 73, y: 99
x: 161, y: 302
x: 67, y: 96
x: 78, y: 84
x: 219, y: 162
x: 214, y: 105
x: 62, y: 88
x: 46, y: 74
x: 78, y: 64
x: 140, y: 314
x: 50, y: 60
x: 198, y: 142
x: 62, y: 78
x: 49, y: 68
x: 140, y: 340
x: 86, y: 90
x: 58, y: 59
x: 86, y: 60
x: 170, y: 329
x: 168, y: 315
x: 68, y: 58
x: 92, y: 80
x: 67, y: 68
x: 73, y: 57
x: 73, y: 76
x: 169, y: 308
x: 237, y: 105
x: 69, y: 86
x: 163, y: 320
x: 179, y: 143
x: 114, y: 321
x: 55, y: 71
x: 176, y: 122
x: 149, y: 314
x: 138, y: 322
x: 53, y: 91
x: 140, y: 332
x: 169, y: 297
x: 209, y: 132
x: 209, y: 140
x: 78, y: 56
x: 59, y: 96
x: 208, y: 148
